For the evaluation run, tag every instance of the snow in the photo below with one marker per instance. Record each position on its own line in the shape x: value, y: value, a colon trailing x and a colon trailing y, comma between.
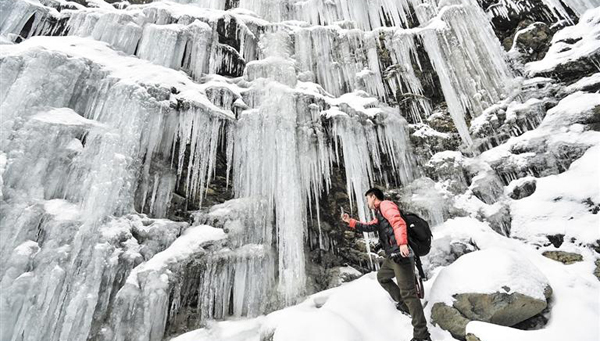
x: 518, y: 182
x: 191, y: 241
x: 359, y: 310
x: 348, y: 270
x: 241, y: 330
x: 423, y: 130
x: 64, y: 116
x: 62, y: 209
x: 558, y: 126
x: 570, y: 110
x: 362, y: 310
x: 447, y: 154
x: 584, y: 82
x: 574, y: 289
x: 558, y: 206
x: 118, y: 65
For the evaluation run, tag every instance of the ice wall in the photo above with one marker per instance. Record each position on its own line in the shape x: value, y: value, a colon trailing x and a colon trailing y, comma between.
x: 114, y: 115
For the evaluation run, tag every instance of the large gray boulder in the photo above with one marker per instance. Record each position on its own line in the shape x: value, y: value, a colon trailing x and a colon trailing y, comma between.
x: 493, y: 285
x: 563, y: 257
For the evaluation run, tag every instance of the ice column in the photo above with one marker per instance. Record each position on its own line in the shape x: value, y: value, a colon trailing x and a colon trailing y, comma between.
x: 469, y: 61
x: 340, y: 60
x: 402, y: 75
x: 269, y: 160
x: 265, y: 165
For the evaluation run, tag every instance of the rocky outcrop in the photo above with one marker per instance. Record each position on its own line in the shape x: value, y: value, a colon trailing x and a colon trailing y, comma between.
x: 497, y: 308
x: 509, y: 20
x: 523, y: 189
x: 563, y: 257
x: 532, y: 42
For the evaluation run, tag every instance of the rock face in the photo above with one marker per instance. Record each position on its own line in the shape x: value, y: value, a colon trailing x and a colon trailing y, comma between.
x: 518, y: 292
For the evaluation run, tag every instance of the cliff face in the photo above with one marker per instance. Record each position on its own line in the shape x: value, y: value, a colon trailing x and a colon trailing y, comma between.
x: 168, y: 163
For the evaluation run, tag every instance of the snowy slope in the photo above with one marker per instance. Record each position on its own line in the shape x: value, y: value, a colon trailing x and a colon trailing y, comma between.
x: 362, y: 310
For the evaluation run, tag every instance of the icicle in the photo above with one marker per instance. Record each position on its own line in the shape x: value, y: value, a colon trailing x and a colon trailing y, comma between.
x: 198, y: 131
x: 162, y: 45
x: 469, y: 61
x: 366, y: 14
x: 16, y: 15
x: 578, y: 6
x: 403, y: 53
x: 340, y: 60
x: 266, y: 166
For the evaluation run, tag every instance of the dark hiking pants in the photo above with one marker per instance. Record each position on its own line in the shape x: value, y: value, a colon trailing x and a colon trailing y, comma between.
x: 405, y: 292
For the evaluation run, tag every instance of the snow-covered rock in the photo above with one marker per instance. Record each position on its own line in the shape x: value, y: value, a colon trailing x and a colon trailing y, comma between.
x: 521, y: 188
x: 493, y: 285
x: 574, y: 50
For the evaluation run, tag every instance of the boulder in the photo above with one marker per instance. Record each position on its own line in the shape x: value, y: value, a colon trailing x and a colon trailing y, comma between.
x: 533, y: 41
x: 445, y: 251
x: 563, y: 257
x: 449, y: 167
x: 487, y: 186
x: 472, y: 337
x: 556, y: 239
x: 522, y: 188
x: 493, y: 285
x: 342, y: 274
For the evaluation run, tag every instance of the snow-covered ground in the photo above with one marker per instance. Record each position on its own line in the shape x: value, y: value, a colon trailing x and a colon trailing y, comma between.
x: 362, y: 310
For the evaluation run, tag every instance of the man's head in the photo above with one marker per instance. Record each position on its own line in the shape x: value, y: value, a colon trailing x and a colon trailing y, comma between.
x: 374, y: 196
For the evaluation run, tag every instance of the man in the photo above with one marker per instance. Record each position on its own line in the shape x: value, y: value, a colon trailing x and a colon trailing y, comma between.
x: 399, y: 259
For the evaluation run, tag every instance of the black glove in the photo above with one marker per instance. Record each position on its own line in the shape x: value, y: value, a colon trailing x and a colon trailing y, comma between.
x: 396, y: 257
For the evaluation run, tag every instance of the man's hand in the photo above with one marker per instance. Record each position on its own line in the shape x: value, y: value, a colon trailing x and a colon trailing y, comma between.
x: 346, y: 218
x: 404, y: 250
x: 396, y: 257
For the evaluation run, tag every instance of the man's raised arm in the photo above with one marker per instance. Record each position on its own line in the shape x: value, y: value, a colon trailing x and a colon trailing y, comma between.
x: 360, y: 226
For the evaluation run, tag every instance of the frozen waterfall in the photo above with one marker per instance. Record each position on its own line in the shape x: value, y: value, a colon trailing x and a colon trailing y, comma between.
x: 121, y: 121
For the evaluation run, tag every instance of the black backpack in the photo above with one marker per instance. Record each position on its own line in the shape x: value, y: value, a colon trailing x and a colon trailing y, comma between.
x: 419, y: 239
x: 419, y: 233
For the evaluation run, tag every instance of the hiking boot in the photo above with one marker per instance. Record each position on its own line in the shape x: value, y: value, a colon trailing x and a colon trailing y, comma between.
x: 403, y: 309
x: 421, y: 339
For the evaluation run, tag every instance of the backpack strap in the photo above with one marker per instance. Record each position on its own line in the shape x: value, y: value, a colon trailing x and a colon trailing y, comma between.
x: 419, y: 266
